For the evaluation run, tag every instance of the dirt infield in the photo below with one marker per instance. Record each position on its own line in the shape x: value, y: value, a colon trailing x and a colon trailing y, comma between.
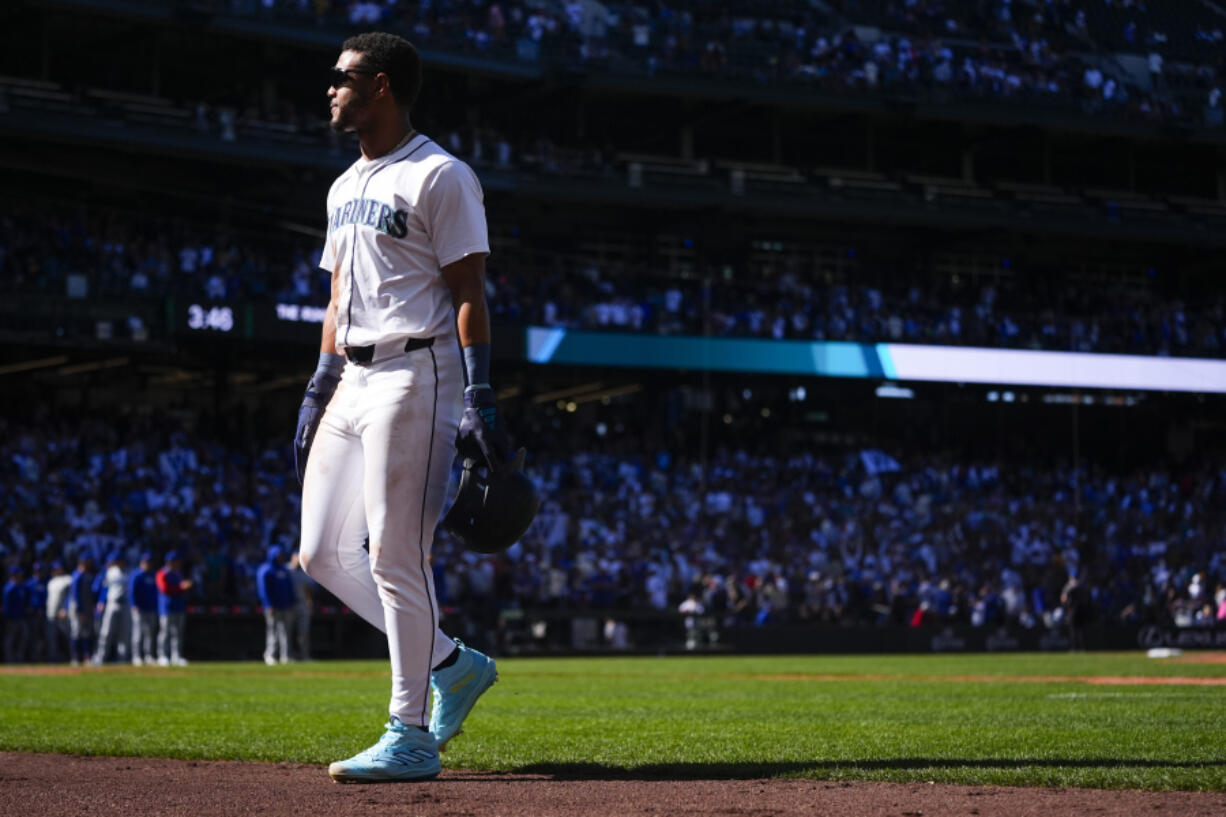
x: 1096, y: 680
x: 102, y: 786
x: 1201, y: 658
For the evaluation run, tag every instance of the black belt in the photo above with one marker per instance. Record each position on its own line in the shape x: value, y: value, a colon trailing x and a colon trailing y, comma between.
x: 365, y: 355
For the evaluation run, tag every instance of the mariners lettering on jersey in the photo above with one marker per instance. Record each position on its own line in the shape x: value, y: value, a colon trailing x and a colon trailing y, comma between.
x: 394, y: 223
x: 371, y: 213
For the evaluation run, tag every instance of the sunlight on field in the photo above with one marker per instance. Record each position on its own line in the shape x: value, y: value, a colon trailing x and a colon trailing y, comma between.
x: 1111, y: 720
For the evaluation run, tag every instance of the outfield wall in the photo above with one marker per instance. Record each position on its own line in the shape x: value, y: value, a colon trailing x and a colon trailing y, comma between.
x: 340, y: 634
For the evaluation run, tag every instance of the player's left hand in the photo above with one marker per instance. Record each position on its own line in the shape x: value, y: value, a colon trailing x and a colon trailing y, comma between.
x: 482, y: 435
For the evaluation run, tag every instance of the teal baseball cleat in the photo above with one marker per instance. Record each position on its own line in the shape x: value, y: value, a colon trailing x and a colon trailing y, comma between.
x: 404, y: 753
x: 456, y: 690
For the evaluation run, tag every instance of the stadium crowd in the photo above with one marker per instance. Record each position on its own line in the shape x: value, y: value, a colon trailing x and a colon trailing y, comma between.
x: 1060, y: 53
x: 96, y: 253
x: 122, y: 257
x: 825, y: 533
x: 765, y: 304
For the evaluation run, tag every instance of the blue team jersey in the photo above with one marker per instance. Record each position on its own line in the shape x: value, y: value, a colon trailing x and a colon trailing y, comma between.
x: 15, y: 603
x: 172, y: 598
x: 36, y: 595
x: 275, y: 586
x: 81, y: 597
x: 143, y: 591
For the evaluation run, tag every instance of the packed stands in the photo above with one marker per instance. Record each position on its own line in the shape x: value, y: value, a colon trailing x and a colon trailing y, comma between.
x: 825, y: 532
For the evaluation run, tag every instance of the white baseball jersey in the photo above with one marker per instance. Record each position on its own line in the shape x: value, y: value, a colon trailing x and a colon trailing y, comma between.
x: 393, y: 223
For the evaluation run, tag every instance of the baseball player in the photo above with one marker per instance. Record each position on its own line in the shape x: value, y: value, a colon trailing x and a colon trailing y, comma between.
x: 403, y: 368
x: 172, y: 610
x: 81, y: 601
x: 58, y: 588
x: 300, y: 617
x: 36, y: 598
x: 143, y: 593
x: 276, y: 591
x: 115, y: 632
x: 16, y: 600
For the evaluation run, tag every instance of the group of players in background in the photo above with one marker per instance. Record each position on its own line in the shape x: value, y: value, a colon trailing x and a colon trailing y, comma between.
x: 92, y: 617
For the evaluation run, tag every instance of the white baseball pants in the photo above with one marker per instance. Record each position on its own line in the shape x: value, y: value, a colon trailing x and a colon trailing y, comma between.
x: 144, y: 634
x: 379, y: 467
x: 170, y: 636
x: 116, y: 631
x: 276, y: 635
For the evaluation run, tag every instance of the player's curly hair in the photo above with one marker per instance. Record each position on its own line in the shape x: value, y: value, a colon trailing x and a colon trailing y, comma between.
x: 394, y: 56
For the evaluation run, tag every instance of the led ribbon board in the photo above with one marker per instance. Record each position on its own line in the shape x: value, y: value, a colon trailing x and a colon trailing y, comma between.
x: 881, y: 361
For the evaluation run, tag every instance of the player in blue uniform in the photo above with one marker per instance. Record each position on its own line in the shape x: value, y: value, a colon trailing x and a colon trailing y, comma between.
x: 143, y: 595
x: 15, y: 615
x: 172, y: 611
x: 81, y: 600
x: 276, y: 591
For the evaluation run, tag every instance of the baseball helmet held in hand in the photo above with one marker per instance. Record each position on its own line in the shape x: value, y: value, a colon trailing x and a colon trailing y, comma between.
x: 493, y: 507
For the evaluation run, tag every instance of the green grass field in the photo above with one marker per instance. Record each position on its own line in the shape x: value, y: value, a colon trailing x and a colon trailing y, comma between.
x: 899, y: 718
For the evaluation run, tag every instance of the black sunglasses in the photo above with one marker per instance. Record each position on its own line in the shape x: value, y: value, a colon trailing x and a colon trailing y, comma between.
x: 339, y: 76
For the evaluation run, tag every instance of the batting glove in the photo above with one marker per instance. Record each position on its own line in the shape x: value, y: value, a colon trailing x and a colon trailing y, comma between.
x: 482, y: 435
x: 318, y: 392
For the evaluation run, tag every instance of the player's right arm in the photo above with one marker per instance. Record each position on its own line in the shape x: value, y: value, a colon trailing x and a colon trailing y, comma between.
x: 327, y: 344
x: 322, y: 383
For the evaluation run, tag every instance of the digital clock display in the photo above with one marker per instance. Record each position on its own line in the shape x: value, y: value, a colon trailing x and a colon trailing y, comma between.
x: 210, y: 318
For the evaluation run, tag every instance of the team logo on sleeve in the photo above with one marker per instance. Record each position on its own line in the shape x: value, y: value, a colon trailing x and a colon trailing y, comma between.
x: 371, y: 213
